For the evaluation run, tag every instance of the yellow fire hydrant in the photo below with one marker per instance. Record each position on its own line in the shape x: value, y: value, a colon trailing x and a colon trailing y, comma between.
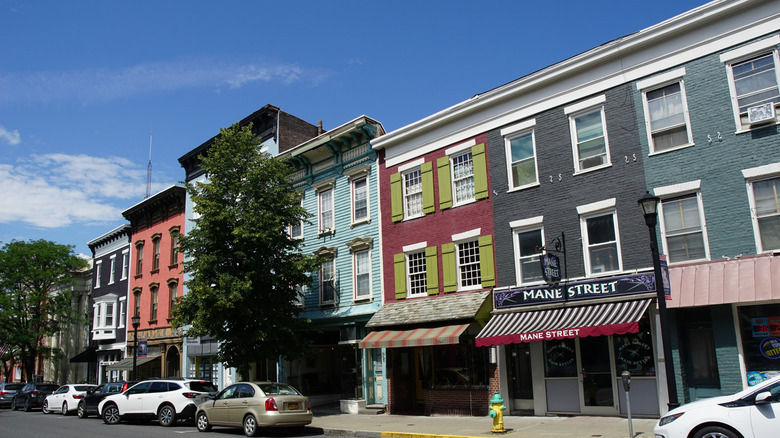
x: 497, y: 413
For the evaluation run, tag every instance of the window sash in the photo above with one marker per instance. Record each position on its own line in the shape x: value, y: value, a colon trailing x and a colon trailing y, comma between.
x: 125, y: 264
x: 469, y: 273
x: 172, y: 292
x: 529, y: 265
x: 416, y: 274
x: 326, y: 209
x: 755, y: 82
x: 362, y: 274
x: 590, y: 139
x: 463, y: 177
x: 767, y: 207
x: 327, y: 281
x: 683, y: 229
x: 602, y: 248
x: 153, y: 307
x: 413, y: 198
x: 109, y: 315
x: 139, y: 260
x: 174, y: 250
x: 156, y: 255
x: 360, y: 199
x: 112, y: 268
x: 523, y: 160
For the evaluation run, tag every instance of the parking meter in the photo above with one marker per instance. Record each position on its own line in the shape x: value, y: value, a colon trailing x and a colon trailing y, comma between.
x: 626, y: 376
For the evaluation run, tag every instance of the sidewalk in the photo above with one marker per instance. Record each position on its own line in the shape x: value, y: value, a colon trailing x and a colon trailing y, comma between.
x: 333, y: 423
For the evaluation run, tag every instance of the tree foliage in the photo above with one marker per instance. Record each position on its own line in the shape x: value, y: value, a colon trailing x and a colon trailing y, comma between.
x: 35, y: 296
x: 243, y: 265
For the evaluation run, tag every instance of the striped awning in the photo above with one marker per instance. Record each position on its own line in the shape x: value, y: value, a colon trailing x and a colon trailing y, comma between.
x: 443, y: 335
x: 563, y: 322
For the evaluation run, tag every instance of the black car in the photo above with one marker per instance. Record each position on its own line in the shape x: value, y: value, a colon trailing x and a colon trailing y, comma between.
x: 32, y: 395
x: 89, y: 404
x: 8, y: 391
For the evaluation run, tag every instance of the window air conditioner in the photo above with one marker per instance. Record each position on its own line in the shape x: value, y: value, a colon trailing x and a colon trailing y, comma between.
x: 761, y: 113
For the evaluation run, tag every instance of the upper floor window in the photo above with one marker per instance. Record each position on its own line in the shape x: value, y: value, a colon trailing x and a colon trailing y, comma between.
x: 125, y: 263
x: 413, y: 196
x: 416, y: 273
x: 753, y: 80
x: 156, y: 252
x: 600, y: 237
x: 328, y: 281
x: 153, y: 302
x: 139, y: 260
x: 175, y: 248
x: 411, y: 190
x: 666, y: 111
x: 462, y: 177
x: 588, y: 134
x: 360, y: 200
x: 326, y: 210
x: 98, y: 273
x: 462, y: 174
x: 296, y: 229
x: 766, y: 205
x: 521, y: 155
x: 527, y: 240
x: 137, y: 301
x: 112, y: 269
x: 683, y: 228
x: 362, y: 280
x: 469, y: 274
x: 173, y: 287
x: 109, y: 315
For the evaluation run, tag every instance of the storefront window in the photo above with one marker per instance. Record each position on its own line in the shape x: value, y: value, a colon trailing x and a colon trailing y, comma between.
x: 634, y: 351
x: 560, y: 358
x: 760, y: 330
x: 455, y: 366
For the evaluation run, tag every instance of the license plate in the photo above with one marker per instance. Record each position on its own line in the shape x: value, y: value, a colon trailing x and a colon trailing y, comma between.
x: 292, y: 406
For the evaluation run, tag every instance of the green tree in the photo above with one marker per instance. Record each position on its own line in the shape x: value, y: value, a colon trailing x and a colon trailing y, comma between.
x: 244, y: 267
x: 35, y: 300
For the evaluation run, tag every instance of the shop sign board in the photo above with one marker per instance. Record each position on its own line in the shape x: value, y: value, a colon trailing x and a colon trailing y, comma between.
x: 551, y: 268
x: 580, y: 290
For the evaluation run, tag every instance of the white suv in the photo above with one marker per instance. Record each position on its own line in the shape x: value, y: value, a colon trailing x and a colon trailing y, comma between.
x: 167, y: 400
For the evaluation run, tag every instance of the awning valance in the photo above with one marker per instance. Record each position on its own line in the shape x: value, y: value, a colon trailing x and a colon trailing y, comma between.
x: 86, y: 356
x: 563, y: 322
x: 127, y: 363
x: 421, y: 337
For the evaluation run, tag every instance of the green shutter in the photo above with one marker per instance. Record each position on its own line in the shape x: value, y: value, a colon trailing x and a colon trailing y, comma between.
x: 449, y: 268
x: 396, y: 197
x: 486, y: 266
x: 445, y: 184
x: 480, y: 172
x: 432, y: 269
x: 399, y: 263
x: 426, y: 172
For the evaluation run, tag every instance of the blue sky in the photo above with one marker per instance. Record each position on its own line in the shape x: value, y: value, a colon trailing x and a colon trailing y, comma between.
x: 84, y: 83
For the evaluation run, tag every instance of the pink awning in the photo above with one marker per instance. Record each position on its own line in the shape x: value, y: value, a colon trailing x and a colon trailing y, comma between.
x: 741, y: 280
x: 443, y: 335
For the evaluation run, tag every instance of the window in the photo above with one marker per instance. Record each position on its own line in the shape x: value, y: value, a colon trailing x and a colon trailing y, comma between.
x: 521, y: 151
x: 754, y: 82
x: 155, y: 253
x: 112, y: 269
x: 139, y: 267
x: 602, y: 252
x: 462, y: 177
x: 137, y: 303
x: 125, y: 263
x: 122, y: 316
x: 469, y: 274
x: 109, y: 315
x: 172, y: 293
x: 362, y: 274
x: 98, y: 273
x: 174, y: 249
x: 360, y: 200
x: 683, y: 229
x: 529, y: 269
x: 766, y: 204
x: 326, y: 210
x: 153, y: 304
x: 296, y: 230
x: 413, y: 196
x: 588, y: 134
x: 416, y: 266
x: 667, y: 117
x: 327, y: 282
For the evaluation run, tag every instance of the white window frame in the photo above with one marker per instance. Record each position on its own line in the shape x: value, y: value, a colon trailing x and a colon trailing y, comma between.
x: 329, y: 190
x: 122, y: 310
x: 676, y: 191
x: 754, y: 50
x: 460, y: 239
x: 353, y: 185
x: 100, y: 329
x: 513, y: 132
x: 125, y: 263
x: 589, y: 106
x: 453, y: 153
x: 592, y: 211
x: 356, y: 274
x: 292, y: 227
x: 414, y: 254
x: 519, y: 227
x: 754, y: 175
x: 98, y: 273
x: 406, y: 195
x: 332, y: 262
x: 112, y: 269
x: 657, y: 83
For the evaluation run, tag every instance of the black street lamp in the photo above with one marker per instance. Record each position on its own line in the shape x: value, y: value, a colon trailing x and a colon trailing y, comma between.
x: 649, y: 204
x: 136, y: 322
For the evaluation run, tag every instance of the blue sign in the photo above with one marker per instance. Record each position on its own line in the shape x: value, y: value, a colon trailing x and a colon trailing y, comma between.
x: 142, y: 348
x: 551, y: 268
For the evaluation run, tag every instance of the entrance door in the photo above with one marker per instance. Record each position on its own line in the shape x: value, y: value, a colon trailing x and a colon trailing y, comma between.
x: 521, y: 391
x: 596, y: 376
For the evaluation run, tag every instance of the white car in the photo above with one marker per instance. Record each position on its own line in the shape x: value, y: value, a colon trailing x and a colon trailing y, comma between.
x: 167, y: 400
x: 752, y: 413
x: 65, y: 399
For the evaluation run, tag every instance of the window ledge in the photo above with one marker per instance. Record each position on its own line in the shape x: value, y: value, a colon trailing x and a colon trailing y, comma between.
x: 173, y: 266
x: 604, y: 274
x: 138, y: 275
x: 676, y: 148
x: 360, y: 222
x: 470, y: 288
x: 152, y: 321
x: 363, y: 300
x: 412, y: 217
x: 327, y: 305
x: 326, y: 232
x: 592, y: 169
x: 461, y: 204
x: 154, y: 271
x: 527, y: 186
x: 756, y: 127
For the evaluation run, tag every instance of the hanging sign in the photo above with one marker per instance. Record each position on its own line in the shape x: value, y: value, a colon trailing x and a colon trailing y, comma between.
x: 551, y: 268
x: 142, y: 348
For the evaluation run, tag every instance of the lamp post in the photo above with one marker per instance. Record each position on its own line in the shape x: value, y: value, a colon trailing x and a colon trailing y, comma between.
x: 136, y: 322
x: 649, y: 204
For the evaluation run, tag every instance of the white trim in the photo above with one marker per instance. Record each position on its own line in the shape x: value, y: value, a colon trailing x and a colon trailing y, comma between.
x: 660, y: 79
x: 411, y: 165
x: 352, y: 182
x: 596, y: 206
x: 370, y: 294
x: 676, y: 189
x: 750, y: 49
x: 523, y: 130
x: 516, y: 230
x: 522, y: 223
x: 761, y: 171
x: 702, y: 221
x: 577, y: 107
x: 575, y: 141
x: 522, y: 126
x: 586, y: 240
x: 663, y: 81
x: 414, y: 247
x: 466, y: 235
x: 461, y: 147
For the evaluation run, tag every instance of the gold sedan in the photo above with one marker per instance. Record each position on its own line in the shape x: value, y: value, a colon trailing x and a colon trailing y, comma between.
x: 253, y: 405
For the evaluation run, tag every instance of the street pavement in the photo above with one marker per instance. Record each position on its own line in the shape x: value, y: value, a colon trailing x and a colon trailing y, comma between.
x: 333, y: 423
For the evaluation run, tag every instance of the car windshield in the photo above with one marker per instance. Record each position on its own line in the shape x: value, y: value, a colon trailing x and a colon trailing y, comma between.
x: 278, y: 389
x: 47, y: 387
x: 14, y: 386
x: 83, y: 388
x: 203, y: 386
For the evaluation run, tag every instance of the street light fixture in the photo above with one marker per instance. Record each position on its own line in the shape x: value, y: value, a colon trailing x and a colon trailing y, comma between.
x: 136, y: 320
x: 649, y: 204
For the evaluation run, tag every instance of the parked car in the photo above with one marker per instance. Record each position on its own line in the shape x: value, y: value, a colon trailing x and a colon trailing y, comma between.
x: 89, y: 404
x: 253, y: 405
x: 8, y: 391
x: 167, y: 400
x: 65, y: 399
x: 32, y: 395
x: 752, y: 413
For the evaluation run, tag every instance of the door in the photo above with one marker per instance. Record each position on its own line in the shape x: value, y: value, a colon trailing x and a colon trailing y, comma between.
x: 135, y: 396
x: 220, y: 407
x: 521, y: 390
x: 597, y: 379
x: 239, y: 404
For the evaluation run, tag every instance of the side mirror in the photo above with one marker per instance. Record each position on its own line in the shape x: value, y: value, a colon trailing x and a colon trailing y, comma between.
x: 626, y: 376
x: 763, y: 398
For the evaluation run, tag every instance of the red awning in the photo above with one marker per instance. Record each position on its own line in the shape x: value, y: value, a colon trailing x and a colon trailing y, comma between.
x: 443, y: 335
x: 563, y: 322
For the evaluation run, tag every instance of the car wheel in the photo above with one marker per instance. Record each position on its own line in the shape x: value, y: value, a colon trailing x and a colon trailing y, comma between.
x: 81, y: 410
x: 64, y: 408
x: 166, y: 416
x: 27, y: 405
x: 715, y: 432
x: 250, y: 425
x: 202, y: 422
x: 13, y: 404
x: 45, y: 407
x: 111, y: 414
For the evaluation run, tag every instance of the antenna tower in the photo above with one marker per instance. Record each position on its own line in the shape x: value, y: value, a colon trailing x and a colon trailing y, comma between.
x: 149, y: 170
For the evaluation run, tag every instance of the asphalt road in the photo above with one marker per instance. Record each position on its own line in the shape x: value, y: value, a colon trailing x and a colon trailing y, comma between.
x: 35, y: 424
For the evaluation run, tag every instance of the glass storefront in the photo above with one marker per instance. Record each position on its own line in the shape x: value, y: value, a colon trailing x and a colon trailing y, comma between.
x: 760, y: 330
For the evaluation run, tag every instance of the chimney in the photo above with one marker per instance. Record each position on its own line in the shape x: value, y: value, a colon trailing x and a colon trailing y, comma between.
x: 319, y: 127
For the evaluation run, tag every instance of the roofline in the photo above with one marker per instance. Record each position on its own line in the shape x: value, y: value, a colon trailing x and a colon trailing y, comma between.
x: 331, y: 134
x: 159, y: 194
x: 112, y: 233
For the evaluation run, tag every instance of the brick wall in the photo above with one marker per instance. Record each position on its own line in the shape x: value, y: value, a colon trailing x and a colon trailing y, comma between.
x: 463, y: 402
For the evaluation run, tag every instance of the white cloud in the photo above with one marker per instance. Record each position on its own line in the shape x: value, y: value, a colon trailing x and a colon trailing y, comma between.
x: 106, y: 84
x: 58, y: 190
x: 10, y: 137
